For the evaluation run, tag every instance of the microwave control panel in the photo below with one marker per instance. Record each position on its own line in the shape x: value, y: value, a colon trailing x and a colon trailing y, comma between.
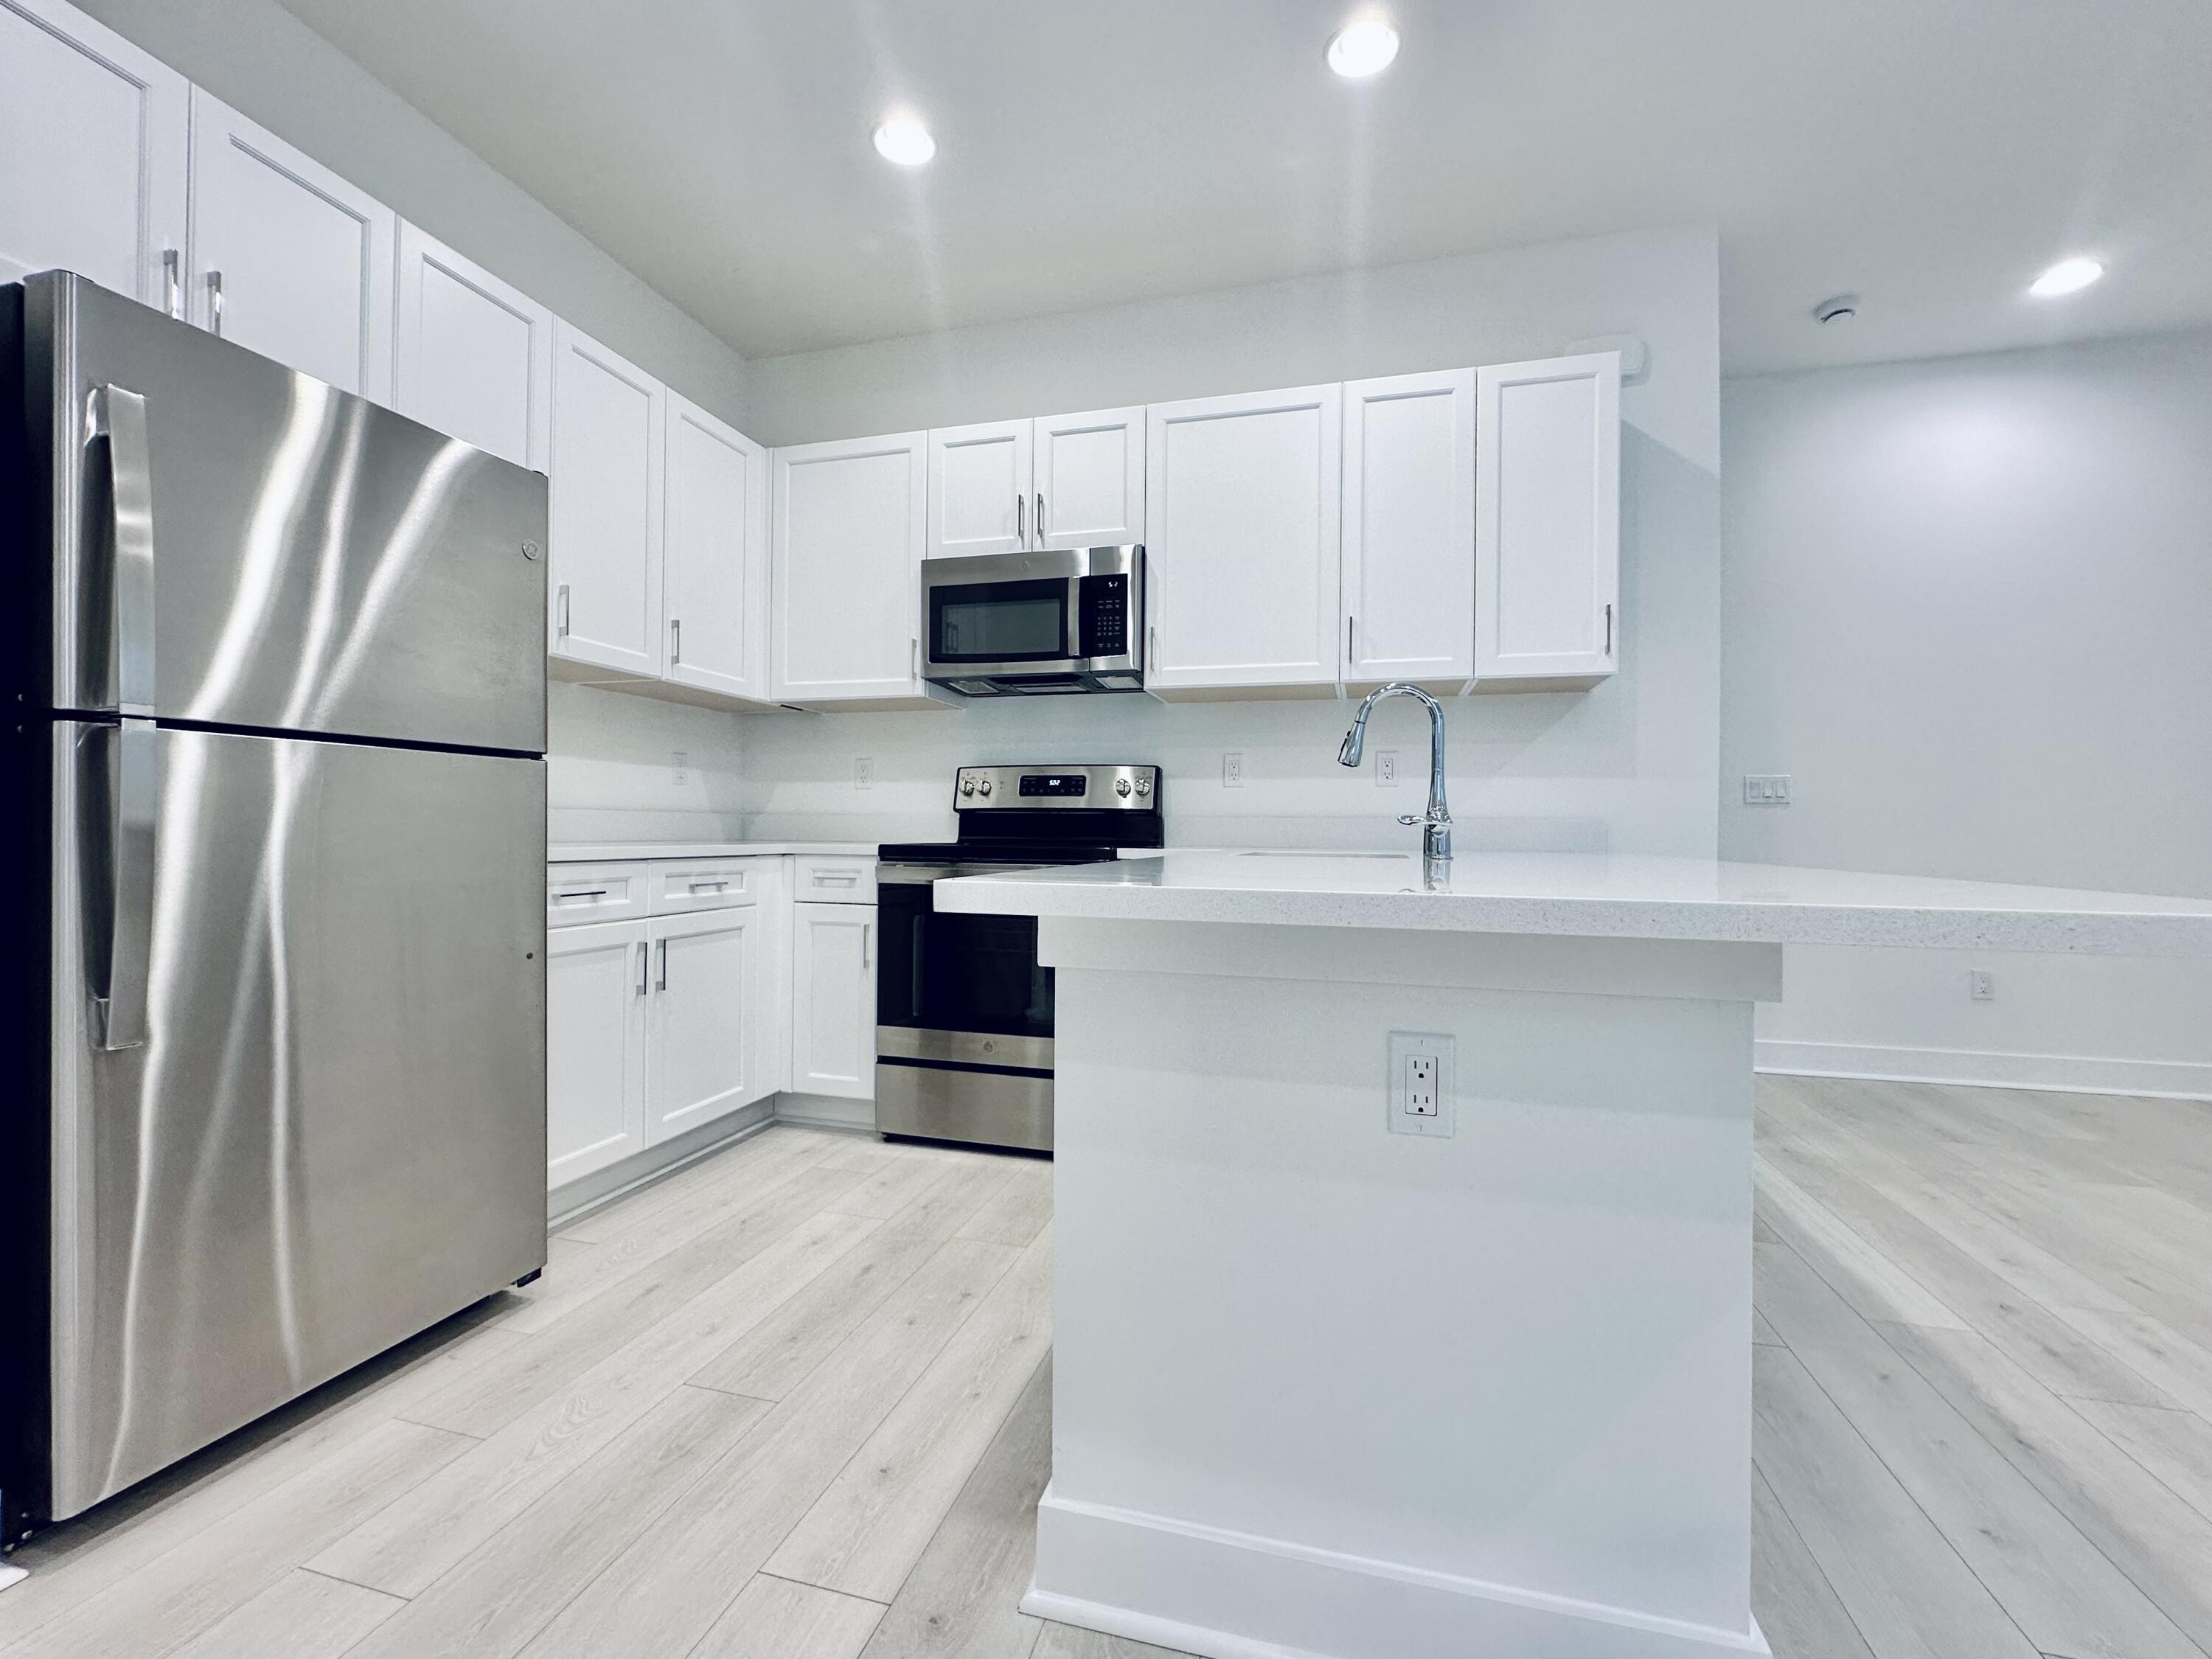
x: 1103, y: 615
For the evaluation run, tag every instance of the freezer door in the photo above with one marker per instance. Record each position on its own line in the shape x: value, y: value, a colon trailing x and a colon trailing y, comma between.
x: 237, y: 544
x: 298, y: 1102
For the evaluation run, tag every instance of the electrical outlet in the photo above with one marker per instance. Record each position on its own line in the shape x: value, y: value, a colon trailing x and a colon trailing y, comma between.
x: 679, y: 769
x: 1232, y: 770
x: 864, y: 772
x: 1386, y: 768
x: 1419, y: 1084
x: 1766, y: 789
x: 1981, y: 985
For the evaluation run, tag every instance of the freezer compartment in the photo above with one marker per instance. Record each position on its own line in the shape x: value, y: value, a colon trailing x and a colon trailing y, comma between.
x: 235, y: 543
x: 299, y: 1106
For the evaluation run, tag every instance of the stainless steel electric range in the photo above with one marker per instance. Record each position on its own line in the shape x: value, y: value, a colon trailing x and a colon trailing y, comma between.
x: 963, y: 1008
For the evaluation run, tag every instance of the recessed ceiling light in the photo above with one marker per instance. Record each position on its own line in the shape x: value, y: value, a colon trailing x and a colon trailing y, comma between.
x: 907, y: 143
x: 2066, y: 276
x: 1363, y: 49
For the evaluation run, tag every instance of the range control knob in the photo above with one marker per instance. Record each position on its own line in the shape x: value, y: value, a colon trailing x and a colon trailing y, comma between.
x: 1144, y: 785
x: 984, y: 787
x: 1121, y: 786
x: 967, y: 786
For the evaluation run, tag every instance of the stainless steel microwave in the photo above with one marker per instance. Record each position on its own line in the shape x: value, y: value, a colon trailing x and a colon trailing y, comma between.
x: 1035, y: 624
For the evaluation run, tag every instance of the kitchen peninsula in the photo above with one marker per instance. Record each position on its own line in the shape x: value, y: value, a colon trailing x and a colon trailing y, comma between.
x: 1403, y: 1221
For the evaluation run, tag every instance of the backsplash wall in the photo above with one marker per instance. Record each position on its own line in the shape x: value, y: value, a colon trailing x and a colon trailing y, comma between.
x: 610, y: 771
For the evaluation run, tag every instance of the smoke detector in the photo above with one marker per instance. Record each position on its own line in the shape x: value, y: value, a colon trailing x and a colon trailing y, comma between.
x: 1836, y: 308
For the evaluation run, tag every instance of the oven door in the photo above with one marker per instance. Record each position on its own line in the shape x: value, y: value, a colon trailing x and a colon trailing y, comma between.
x: 964, y: 989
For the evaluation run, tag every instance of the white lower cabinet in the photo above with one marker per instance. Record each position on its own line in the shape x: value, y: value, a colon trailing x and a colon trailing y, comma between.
x: 666, y: 1014
x: 833, y: 970
x: 595, y: 1046
x: 705, y: 1048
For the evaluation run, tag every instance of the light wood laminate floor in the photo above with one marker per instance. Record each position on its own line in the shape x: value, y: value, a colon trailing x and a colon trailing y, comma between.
x: 795, y: 1403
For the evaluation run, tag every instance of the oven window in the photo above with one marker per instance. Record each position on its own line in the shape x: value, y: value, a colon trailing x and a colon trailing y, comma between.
x: 998, y: 622
x: 940, y: 972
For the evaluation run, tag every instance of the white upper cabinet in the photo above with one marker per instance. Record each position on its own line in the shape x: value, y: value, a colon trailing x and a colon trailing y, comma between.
x: 609, y: 428
x: 94, y: 140
x: 1057, y: 481
x: 1242, y: 508
x: 1547, y: 521
x: 850, y: 525
x: 715, y: 579
x: 473, y: 357
x: 1087, y: 486
x: 287, y: 258
x: 1409, y: 527
x: 979, y: 488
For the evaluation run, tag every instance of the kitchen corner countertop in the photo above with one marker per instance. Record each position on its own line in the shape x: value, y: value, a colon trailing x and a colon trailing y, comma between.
x: 1596, y: 896
x: 634, y: 852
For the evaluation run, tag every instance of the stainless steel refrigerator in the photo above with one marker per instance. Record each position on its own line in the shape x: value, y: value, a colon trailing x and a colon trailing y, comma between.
x: 272, y: 1031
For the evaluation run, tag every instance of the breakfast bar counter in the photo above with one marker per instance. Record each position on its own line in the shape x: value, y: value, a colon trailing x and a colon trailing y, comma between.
x: 1362, y: 1360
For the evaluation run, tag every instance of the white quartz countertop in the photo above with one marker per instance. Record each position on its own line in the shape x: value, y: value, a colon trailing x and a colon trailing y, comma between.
x: 626, y: 851
x: 1596, y: 895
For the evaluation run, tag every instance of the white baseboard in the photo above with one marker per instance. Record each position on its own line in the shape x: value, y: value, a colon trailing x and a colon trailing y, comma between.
x: 1226, y: 1595
x: 825, y: 1111
x: 2066, y: 1073
x: 570, y: 1203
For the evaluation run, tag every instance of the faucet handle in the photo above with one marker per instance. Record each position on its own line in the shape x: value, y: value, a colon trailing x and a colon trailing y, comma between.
x: 1409, y: 819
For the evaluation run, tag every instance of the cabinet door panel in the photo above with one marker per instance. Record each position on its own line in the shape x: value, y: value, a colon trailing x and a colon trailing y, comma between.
x: 595, y: 1002
x: 96, y: 136
x: 1242, y: 517
x: 609, y: 431
x: 1409, y: 527
x: 1089, y: 479
x: 834, y: 1000
x: 287, y: 258
x: 850, y: 525
x: 979, y: 488
x: 1547, y: 519
x: 704, y: 1052
x: 473, y: 357
x: 716, y: 577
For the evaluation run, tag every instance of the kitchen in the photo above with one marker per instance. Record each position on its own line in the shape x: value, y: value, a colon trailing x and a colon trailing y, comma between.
x: 1626, y: 665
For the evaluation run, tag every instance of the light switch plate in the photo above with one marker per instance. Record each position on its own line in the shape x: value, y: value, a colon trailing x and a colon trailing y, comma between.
x: 1766, y: 789
x: 1418, y: 1082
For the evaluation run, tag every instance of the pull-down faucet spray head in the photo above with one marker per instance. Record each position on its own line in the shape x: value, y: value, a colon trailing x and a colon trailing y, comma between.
x: 1355, y: 740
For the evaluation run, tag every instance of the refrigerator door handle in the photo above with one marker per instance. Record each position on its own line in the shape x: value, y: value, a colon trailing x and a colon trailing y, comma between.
x: 116, y: 423
x: 133, y: 799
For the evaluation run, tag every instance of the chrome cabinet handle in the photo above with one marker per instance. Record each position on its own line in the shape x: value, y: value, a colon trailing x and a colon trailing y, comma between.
x: 1350, y: 655
x: 675, y: 639
x: 662, y: 983
x: 1608, y: 630
x: 1036, y: 524
x: 1152, y: 647
x: 582, y: 893
x: 710, y: 886
x: 126, y: 771
x: 642, y: 950
x: 560, y: 612
x: 172, y: 282
x: 1021, y: 535
x: 867, y: 960
x: 115, y: 422
x: 215, y: 302
x: 913, y: 658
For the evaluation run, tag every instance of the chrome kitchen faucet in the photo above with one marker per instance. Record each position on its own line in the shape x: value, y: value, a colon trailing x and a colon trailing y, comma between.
x: 1436, y: 822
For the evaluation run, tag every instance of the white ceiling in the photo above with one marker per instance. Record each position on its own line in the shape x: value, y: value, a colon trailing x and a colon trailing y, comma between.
x: 1930, y: 155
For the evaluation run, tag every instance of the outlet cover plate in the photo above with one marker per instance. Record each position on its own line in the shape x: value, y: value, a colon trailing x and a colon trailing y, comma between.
x: 1404, y: 1046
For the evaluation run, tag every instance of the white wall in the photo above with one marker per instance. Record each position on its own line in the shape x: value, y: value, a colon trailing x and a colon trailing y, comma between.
x: 1629, y: 765
x: 265, y: 62
x: 1969, y: 610
x: 611, y: 773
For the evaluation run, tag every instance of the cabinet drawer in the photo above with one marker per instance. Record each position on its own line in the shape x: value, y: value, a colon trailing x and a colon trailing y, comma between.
x: 705, y: 885
x: 593, y: 892
x: 835, y: 880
